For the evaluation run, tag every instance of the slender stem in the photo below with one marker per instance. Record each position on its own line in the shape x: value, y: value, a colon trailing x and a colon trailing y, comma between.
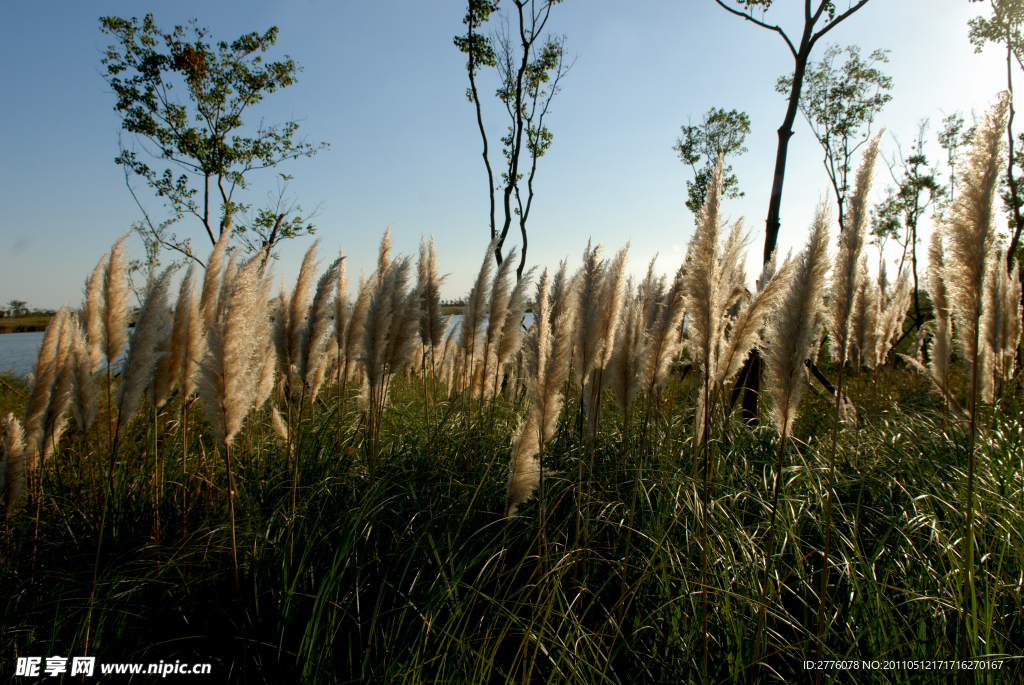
x: 231, y: 514
x: 184, y: 461
x: 823, y: 592
x: 156, y: 476
x: 704, y: 533
x: 967, y: 594
x: 295, y: 475
x: 769, y: 554
x: 110, y: 413
x: 108, y: 488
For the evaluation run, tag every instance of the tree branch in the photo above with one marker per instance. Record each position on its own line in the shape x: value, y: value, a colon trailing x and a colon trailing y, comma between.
x: 836, y: 21
x: 764, y: 25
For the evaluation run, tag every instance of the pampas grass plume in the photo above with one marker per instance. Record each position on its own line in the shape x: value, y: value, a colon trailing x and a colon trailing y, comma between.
x: 151, y: 328
x: 209, y: 299
x: 794, y: 326
x: 92, y: 313
x: 115, y: 301
x: 41, y: 387
x: 16, y: 454
x: 84, y: 401
x: 847, y: 276
x: 970, y: 234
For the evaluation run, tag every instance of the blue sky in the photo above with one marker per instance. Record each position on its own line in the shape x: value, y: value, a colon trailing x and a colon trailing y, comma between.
x: 383, y: 84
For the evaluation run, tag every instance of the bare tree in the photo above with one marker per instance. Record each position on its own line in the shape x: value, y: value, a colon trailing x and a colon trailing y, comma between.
x: 829, y: 17
x: 801, y: 51
x: 530, y: 69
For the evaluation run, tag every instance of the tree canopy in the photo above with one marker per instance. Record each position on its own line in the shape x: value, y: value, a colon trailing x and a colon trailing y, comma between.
x: 720, y: 133
x: 840, y: 103
x: 202, y: 135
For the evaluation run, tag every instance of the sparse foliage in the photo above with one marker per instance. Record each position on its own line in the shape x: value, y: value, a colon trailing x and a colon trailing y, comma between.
x: 720, y: 133
x: 530, y: 68
x: 840, y: 104
x: 204, y: 137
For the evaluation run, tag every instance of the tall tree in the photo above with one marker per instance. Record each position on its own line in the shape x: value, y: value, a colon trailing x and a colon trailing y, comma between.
x: 840, y: 105
x: 951, y: 138
x: 480, y: 51
x: 530, y: 68
x: 828, y: 16
x: 719, y: 133
x: 205, y: 136
x: 1004, y: 27
x: 898, y: 215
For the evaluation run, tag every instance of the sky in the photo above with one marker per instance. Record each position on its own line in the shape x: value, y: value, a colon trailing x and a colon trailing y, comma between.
x: 384, y: 85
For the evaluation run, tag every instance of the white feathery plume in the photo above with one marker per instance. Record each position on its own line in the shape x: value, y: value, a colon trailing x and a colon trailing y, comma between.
x: 846, y: 275
x: 44, y: 376
x: 356, y: 325
x: 194, y: 346
x: 588, y: 327
x: 651, y: 290
x: 84, y: 402
x: 745, y: 329
x: 476, y: 306
x: 384, y: 256
x: 512, y: 332
x: 942, y: 345
x: 524, y: 473
x: 279, y: 333
x: 379, y: 315
x: 92, y: 313
x: 1011, y: 333
x: 702, y: 278
x: 631, y: 344
x: 268, y: 377
x: 212, y: 279
x: 864, y: 320
x: 432, y: 324
x: 230, y: 372
x: 115, y: 301
x: 547, y: 365
x: 794, y: 326
x: 162, y: 383
x: 403, y: 335
x: 708, y: 283
x: 970, y: 239
x: 497, y: 306
x: 317, y: 331
x: 665, y: 336
x: 63, y: 388
x: 342, y: 312
x: 890, y: 322
x: 15, y: 463
x: 151, y: 327
x: 230, y: 271
x: 612, y: 294
x: 298, y: 310
x: 180, y: 334
x: 277, y: 423
x: 917, y: 345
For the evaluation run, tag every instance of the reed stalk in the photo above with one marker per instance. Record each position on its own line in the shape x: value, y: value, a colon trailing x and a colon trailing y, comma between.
x: 847, y: 280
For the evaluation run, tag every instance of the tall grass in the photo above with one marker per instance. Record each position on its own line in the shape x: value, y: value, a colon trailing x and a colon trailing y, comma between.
x: 480, y: 506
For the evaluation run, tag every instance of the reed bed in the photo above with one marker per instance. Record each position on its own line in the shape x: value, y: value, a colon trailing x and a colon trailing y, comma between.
x: 323, y: 488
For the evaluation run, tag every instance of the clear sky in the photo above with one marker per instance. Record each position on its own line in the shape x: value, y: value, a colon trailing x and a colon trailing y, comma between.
x: 385, y: 86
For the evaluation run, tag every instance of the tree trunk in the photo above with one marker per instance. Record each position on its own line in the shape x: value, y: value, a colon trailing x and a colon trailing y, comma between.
x: 1018, y: 221
x: 771, y: 234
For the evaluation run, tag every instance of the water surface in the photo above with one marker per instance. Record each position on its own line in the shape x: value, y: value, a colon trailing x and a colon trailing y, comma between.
x: 18, y: 352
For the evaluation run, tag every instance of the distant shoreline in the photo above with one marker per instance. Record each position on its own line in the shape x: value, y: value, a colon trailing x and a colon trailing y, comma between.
x: 33, y: 323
